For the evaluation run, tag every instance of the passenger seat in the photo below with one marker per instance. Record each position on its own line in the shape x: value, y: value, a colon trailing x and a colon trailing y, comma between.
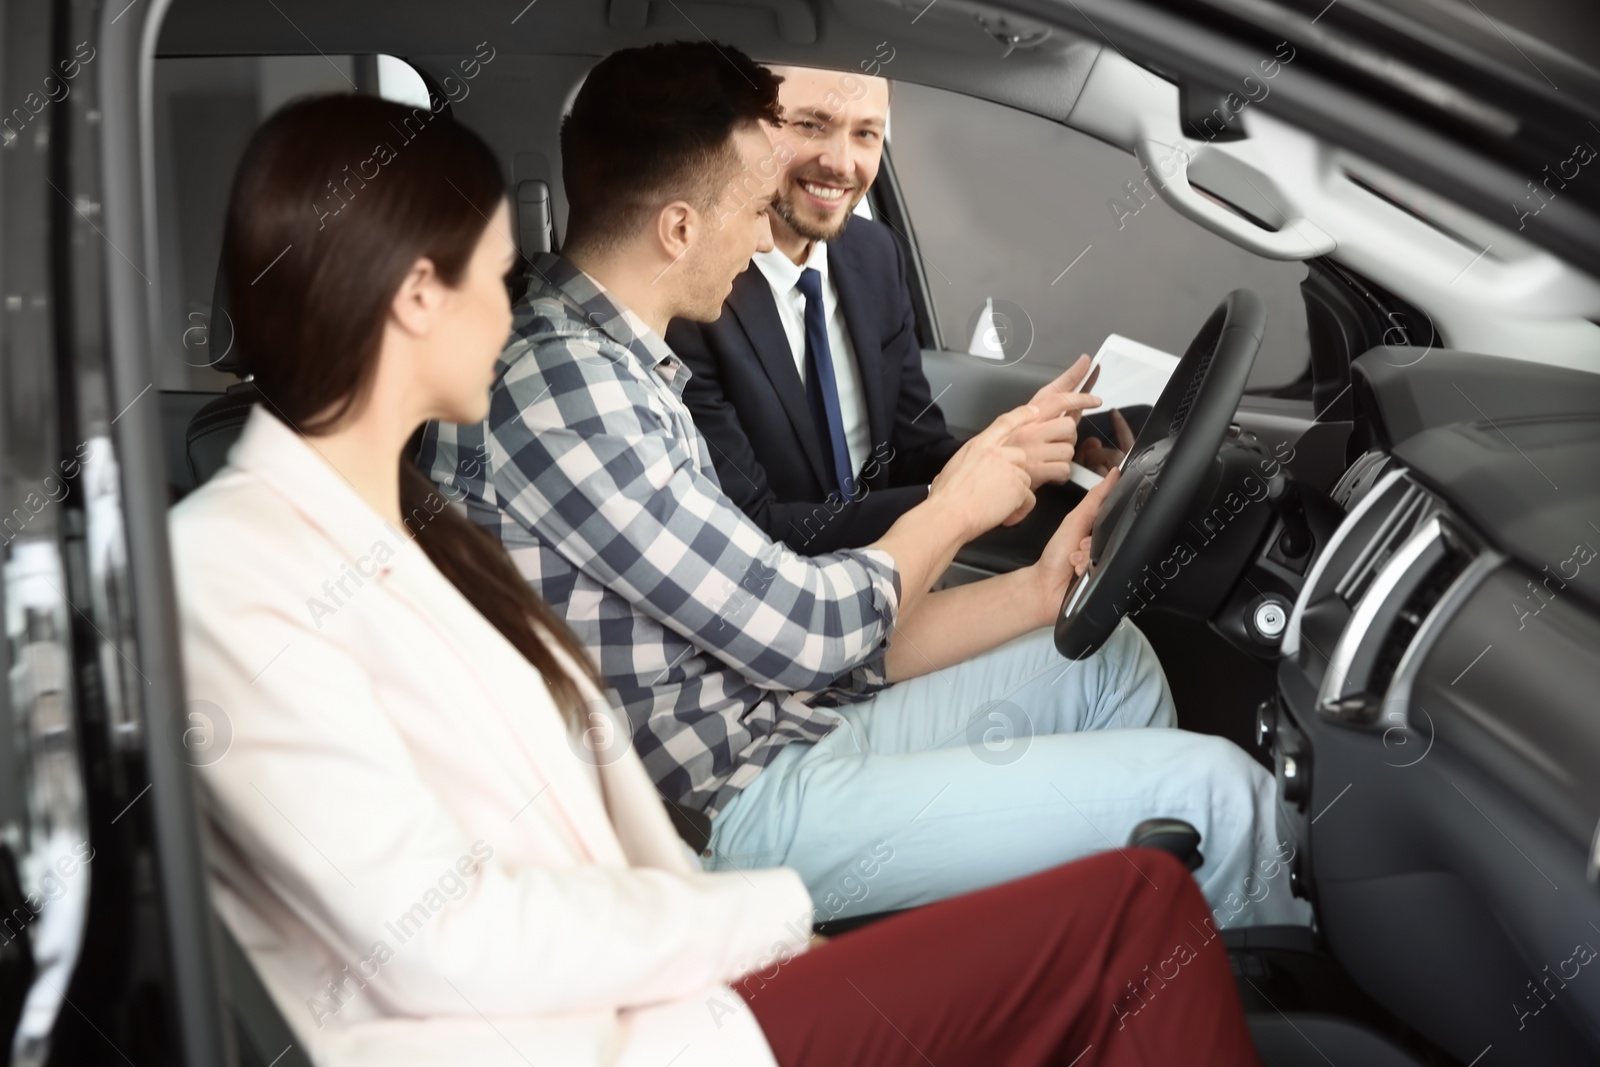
x: 217, y: 425
x: 262, y: 1034
x: 215, y: 428
x: 265, y: 1040
x: 1297, y: 1040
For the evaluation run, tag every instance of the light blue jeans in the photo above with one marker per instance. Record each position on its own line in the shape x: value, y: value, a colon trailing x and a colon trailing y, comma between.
x: 1012, y: 762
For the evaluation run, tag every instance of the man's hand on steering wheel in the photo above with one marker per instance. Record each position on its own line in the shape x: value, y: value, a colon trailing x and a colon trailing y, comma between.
x: 1066, y: 556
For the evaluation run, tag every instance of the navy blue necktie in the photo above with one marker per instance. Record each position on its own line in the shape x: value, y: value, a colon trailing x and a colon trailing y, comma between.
x: 822, y: 389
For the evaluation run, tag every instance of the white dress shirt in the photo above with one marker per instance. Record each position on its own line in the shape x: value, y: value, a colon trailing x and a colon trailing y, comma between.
x: 404, y: 836
x: 783, y: 274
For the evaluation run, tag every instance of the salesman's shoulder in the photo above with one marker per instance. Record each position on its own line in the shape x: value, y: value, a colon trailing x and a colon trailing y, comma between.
x: 867, y: 241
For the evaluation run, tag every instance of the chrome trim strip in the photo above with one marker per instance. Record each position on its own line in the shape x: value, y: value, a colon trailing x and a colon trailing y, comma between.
x: 1291, y: 637
x: 1594, y: 858
x: 1351, y: 659
x: 1356, y: 471
x: 1397, y: 701
x: 1413, y: 504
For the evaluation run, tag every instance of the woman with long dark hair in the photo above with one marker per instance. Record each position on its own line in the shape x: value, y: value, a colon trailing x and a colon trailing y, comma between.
x: 428, y: 830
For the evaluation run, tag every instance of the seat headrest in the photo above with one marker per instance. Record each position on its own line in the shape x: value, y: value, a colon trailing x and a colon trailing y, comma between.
x: 536, y: 231
x: 220, y: 350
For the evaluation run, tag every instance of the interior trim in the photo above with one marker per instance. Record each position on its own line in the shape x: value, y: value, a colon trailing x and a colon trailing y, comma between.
x: 1350, y: 666
x: 1291, y: 637
x: 1396, y: 709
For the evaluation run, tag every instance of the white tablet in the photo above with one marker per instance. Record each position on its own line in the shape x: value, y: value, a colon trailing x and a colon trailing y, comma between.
x: 1123, y: 374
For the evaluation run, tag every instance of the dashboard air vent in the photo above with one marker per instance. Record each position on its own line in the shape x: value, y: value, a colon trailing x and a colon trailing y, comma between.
x: 1362, y: 476
x: 1399, y: 579
x: 1399, y: 525
x: 1408, y: 620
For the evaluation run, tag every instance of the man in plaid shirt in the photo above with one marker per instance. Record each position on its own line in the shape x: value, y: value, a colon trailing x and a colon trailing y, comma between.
x: 830, y: 713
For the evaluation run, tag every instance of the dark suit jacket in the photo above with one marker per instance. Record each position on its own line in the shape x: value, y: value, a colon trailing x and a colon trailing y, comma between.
x: 749, y: 401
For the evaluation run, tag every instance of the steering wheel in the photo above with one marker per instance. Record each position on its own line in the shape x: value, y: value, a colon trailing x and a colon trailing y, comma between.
x: 1163, y: 474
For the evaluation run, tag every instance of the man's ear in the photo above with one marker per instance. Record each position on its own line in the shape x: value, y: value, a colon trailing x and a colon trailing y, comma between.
x: 416, y: 303
x: 678, y: 227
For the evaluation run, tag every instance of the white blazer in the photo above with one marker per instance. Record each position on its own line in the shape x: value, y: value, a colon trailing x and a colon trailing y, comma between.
x: 421, y: 862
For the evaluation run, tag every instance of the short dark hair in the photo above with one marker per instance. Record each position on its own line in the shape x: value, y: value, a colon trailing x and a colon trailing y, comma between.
x: 655, y: 124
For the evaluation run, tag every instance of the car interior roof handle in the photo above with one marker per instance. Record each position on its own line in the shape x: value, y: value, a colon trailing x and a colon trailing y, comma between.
x: 1168, y: 167
x: 1126, y: 105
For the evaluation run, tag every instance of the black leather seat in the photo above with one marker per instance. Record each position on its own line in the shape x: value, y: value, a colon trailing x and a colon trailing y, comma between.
x: 214, y: 429
x: 262, y: 1034
x: 216, y: 426
x: 1293, y: 1040
x: 1296, y: 1040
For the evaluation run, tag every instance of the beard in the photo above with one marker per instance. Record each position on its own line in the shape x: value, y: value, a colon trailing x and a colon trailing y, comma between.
x: 784, y: 208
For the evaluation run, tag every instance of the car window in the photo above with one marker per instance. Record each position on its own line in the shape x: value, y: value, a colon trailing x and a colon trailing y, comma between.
x: 205, y: 111
x: 1054, y: 231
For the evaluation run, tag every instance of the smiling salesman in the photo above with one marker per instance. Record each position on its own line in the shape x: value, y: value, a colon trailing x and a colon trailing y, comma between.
x: 810, y: 384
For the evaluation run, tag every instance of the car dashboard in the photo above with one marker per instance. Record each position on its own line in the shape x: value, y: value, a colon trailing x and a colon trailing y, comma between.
x: 1436, y: 733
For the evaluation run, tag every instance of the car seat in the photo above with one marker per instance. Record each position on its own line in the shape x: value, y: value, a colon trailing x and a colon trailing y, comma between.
x: 1294, y: 1040
x: 217, y: 425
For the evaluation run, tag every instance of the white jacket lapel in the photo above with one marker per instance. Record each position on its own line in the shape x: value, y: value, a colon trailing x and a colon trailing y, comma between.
x: 509, y: 707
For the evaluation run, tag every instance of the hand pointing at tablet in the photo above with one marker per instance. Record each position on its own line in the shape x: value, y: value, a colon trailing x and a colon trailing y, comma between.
x: 1051, y: 440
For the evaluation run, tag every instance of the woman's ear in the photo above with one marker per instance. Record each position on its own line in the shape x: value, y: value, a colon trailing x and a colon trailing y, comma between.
x: 416, y: 303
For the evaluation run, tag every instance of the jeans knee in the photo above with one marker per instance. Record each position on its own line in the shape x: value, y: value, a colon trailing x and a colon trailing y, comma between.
x: 1231, y: 775
x: 1136, y: 673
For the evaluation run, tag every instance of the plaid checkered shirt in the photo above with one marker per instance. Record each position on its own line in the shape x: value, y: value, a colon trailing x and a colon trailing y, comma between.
x: 721, y: 645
